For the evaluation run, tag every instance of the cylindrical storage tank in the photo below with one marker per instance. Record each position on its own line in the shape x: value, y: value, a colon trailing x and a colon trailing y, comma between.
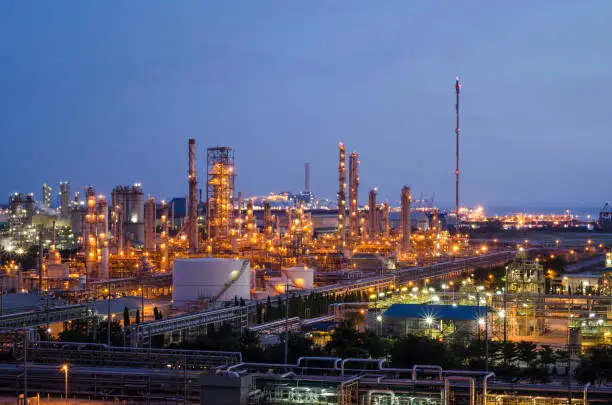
x: 210, y: 278
x: 299, y: 277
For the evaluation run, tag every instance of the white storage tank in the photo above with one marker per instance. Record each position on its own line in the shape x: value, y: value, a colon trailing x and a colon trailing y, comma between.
x: 212, y: 278
x: 299, y: 277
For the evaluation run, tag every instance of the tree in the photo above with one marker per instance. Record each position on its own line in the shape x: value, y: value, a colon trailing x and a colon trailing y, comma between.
x: 137, y: 320
x: 509, y: 353
x: 411, y: 350
x: 374, y: 345
x: 268, y: 310
x: 562, y: 356
x: 126, y: 317
x: 157, y: 314
x: 259, y: 315
x: 526, y: 352
x: 536, y: 374
x: 75, y: 331
x: 595, y: 366
x: 546, y: 355
x: 345, y: 341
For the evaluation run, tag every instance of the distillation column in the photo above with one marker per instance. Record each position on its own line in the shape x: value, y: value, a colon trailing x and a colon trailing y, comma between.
x: 363, y: 227
x: 341, y: 197
x: 149, y: 242
x: 384, y: 221
x: 353, y: 196
x: 220, y: 194
x: 251, y: 221
x: 268, y: 221
x: 192, y: 215
x: 117, y: 218
x: 64, y: 196
x: 89, y: 234
x: 102, y: 232
x: 373, y: 227
x: 164, y: 237
x: 405, y: 220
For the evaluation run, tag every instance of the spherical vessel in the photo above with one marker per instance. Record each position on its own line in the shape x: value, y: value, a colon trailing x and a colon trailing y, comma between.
x: 210, y: 278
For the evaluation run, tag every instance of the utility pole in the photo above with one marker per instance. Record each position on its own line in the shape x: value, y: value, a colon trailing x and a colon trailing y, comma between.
x: 185, y: 401
x: 286, y: 319
x: 486, y: 340
x: 506, y: 308
x: 108, y: 321
x: 142, y: 302
x: 25, y: 370
x: 569, y: 355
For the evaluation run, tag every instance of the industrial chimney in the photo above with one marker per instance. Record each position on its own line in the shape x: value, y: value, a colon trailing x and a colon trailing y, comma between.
x: 405, y: 218
x: 192, y: 215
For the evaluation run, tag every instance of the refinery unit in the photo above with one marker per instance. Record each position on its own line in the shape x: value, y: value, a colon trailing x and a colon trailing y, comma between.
x: 131, y: 237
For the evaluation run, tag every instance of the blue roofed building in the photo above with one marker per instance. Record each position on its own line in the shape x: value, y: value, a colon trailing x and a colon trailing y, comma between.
x: 436, y: 321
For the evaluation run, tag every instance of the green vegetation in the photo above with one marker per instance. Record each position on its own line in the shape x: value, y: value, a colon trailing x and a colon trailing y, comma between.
x: 596, y: 366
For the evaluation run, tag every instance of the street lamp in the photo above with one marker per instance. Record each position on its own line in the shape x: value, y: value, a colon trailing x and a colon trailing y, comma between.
x: 65, y: 369
x: 429, y: 321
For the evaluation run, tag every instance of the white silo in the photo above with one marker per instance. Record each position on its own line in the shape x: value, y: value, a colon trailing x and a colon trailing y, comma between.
x: 215, y: 279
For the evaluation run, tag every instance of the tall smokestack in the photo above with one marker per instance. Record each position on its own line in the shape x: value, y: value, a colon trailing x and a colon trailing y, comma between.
x: 353, y: 195
x: 457, y: 92
x: 373, y: 215
x: 307, y: 177
x: 192, y: 215
x: 341, y: 196
x: 405, y: 221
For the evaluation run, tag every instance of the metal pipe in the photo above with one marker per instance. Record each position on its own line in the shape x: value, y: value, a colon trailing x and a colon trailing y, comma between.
x: 289, y: 374
x: 425, y: 367
x: 370, y: 392
x: 355, y: 360
x: 334, y: 359
x: 269, y: 365
x: 459, y: 378
x: 484, y: 385
x: 349, y: 381
x: 586, y: 393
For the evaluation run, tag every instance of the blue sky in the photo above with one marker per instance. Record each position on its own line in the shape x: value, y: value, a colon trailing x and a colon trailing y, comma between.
x: 108, y: 93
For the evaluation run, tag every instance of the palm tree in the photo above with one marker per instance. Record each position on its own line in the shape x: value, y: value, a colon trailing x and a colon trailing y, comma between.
x: 527, y: 352
x: 547, y: 355
x: 509, y: 353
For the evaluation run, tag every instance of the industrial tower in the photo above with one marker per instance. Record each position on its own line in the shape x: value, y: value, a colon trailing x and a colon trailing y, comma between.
x: 353, y: 196
x: 405, y: 220
x: 457, y: 91
x: 220, y: 192
x: 341, y: 196
x: 372, y: 215
x: 192, y: 203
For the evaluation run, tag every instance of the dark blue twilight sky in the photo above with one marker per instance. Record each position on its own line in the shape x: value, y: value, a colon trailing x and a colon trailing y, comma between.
x: 107, y: 93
